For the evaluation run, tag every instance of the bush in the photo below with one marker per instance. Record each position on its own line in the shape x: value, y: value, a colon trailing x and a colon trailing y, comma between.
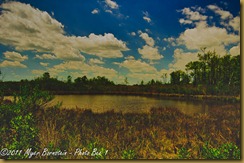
x: 183, y: 153
x: 128, y: 154
x: 227, y: 151
x: 18, y: 121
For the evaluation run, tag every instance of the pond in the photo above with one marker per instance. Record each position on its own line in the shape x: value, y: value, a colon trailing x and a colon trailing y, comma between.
x: 122, y: 103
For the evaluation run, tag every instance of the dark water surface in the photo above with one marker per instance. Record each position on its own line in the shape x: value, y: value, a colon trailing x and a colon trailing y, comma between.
x: 138, y: 104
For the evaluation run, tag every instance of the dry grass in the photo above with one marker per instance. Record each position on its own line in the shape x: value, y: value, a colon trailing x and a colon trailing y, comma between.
x: 158, y: 134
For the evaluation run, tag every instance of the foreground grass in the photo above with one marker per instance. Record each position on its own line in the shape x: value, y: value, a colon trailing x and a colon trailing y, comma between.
x: 164, y: 133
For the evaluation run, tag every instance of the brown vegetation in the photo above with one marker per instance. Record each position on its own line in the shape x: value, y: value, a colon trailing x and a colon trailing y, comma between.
x: 162, y: 133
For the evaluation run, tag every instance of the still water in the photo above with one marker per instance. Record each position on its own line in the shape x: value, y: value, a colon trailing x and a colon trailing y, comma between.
x: 139, y: 104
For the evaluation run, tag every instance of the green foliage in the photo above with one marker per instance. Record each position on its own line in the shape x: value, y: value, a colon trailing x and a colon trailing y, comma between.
x: 128, y: 154
x: 46, y: 76
x: 51, y: 147
x: 96, y: 151
x: 1, y: 97
x: 69, y: 79
x: 225, y: 151
x: 31, y: 99
x: 183, y: 153
x: 18, y: 120
x: 154, y: 83
x: 179, y: 77
x: 221, y: 75
x: 102, y: 153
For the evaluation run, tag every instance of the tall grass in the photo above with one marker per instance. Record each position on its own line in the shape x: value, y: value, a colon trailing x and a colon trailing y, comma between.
x: 160, y: 134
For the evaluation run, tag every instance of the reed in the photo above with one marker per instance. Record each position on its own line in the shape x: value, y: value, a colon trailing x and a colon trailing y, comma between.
x: 161, y: 134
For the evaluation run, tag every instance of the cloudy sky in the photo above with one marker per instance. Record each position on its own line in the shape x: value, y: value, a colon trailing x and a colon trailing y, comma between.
x: 137, y: 39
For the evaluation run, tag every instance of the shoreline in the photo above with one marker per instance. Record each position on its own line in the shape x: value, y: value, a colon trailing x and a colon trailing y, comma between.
x: 175, y: 96
x: 170, y: 96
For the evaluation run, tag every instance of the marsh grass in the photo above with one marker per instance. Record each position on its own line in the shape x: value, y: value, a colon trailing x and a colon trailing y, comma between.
x: 161, y: 134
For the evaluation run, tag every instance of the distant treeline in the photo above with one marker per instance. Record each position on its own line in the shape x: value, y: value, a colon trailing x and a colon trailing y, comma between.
x: 210, y: 75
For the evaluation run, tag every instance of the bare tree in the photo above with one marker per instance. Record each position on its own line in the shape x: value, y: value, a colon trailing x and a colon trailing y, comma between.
x: 126, y: 81
x: 2, y: 75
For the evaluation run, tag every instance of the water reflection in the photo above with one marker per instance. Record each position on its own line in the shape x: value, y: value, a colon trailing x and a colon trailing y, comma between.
x: 139, y: 104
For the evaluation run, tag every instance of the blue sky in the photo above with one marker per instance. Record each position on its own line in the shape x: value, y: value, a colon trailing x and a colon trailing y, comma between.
x: 140, y: 40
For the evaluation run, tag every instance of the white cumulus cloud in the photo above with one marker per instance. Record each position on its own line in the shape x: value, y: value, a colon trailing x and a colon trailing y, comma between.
x: 223, y: 14
x: 14, y: 56
x: 17, y: 64
x: 181, y: 58
x: 235, y: 23
x: 83, y: 69
x: 95, y: 11
x: 191, y: 16
x: 149, y: 40
x: 146, y: 17
x: 13, y: 59
x: 138, y: 66
x: 132, y: 33
x: 185, y: 21
x: 94, y: 61
x: 235, y: 50
x: 27, y: 28
x: 150, y: 53
x: 44, y: 64
x: 214, y: 38
x: 139, y: 70
x: 45, y: 56
x: 112, y: 4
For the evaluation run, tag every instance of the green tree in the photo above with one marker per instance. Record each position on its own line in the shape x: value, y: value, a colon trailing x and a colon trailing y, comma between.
x: 46, y: 76
x: 69, y: 79
x: 185, y: 79
x: 78, y: 81
x: 236, y: 71
x: 151, y: 82
x: 220, y: 75
x: 1, y: 76
x: 142, y: 82
x: 179, y: 77
x: 194, y: 67
x: 175, y: 77
x: 84, y: 80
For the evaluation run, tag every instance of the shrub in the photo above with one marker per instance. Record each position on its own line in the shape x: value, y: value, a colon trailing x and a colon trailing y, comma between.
x: 225, y: 151
x: 183, y: 153
x: 18, y: 121
x: 128, y: 154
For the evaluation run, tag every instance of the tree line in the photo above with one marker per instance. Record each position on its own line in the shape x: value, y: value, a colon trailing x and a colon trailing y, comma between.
x: 216, y: 74
x: 210, y: 74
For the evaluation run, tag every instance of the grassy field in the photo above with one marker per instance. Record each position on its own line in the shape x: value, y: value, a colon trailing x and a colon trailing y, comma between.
x: 164, y: 133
